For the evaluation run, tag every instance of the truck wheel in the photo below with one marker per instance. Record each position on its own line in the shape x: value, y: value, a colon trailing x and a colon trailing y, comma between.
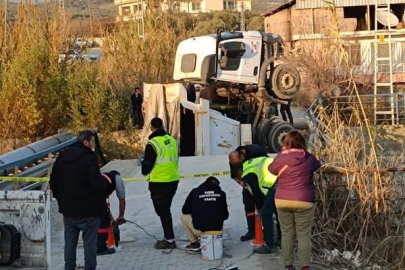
x: 262, y: 129
x: 285, y: 81
x: 276, y: 134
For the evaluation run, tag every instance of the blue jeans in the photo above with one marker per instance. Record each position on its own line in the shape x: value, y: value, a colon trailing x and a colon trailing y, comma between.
x: 89, y: 228
x: 267, y: 212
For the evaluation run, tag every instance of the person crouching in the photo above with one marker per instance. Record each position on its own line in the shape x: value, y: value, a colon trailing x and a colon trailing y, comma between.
x: 205, y: 209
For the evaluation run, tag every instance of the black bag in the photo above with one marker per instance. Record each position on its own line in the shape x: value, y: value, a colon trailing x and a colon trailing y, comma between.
x: 10, y: 243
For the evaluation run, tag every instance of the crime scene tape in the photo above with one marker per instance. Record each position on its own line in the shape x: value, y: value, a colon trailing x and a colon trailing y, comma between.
x: 136, y: 179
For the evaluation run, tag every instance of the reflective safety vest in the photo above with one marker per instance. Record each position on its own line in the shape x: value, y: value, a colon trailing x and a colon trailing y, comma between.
x: 259, y: 166
x: 166, y: 168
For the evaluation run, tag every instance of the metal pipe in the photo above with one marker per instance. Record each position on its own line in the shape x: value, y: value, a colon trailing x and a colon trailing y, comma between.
x: 223, y: 107
x: 258, y: 112
x: 262, y: 92
x: 30, y: 150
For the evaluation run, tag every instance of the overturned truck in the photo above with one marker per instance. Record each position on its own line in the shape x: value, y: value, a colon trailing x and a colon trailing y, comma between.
x: 242, y: 75
x: 247, y: 76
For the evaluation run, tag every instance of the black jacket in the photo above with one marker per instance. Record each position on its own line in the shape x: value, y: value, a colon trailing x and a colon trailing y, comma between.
x: 252, y: 181
x: 254, y: 151
x: 136, y: 102
x: 191, y: 93
x: 207, y: 206
x: 150, y: 153
x: 77, y: 184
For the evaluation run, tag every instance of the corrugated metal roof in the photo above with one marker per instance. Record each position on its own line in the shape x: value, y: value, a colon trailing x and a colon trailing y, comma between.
x: 305, y: 4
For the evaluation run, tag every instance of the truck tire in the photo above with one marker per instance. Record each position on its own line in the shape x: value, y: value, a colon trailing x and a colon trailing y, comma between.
x: 286, y: 81
x: 276, y: 134
x: 262, y: 130
x: 261, y: 135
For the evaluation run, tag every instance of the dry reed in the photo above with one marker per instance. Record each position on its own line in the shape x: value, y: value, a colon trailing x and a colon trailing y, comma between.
x: 360, y: 211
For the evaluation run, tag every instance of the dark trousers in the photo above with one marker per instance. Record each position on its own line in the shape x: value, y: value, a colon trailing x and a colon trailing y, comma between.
x: 267, y: 212
x: 137, y: 118
x: 187, y: 132
x: 88, y: 226
x: 162, y: 196
x: 102, y: 235
x: 249, y: 204
x: 285, y: 111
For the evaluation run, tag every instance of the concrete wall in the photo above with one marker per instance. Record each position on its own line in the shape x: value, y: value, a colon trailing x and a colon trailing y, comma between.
x: 297, y: 22
x: 29, y: 212
x: 279, y: 24
x: 210, y: 5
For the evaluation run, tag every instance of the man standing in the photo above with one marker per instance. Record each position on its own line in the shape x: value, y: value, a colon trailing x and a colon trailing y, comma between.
x: 236, y: 159
x: 136, y: 101
x: 261, y: 182
x: 115, y: 183
x: 161, y: 164
x: 79, y: 188
x: 187, y: 127
x: 205, y: 209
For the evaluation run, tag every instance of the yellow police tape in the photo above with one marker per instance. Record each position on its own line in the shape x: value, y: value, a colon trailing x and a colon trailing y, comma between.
x: 136, y: 179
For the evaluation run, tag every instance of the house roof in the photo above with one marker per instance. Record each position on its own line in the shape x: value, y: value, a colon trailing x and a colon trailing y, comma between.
x: 306, y: 4
x: 281, y: 7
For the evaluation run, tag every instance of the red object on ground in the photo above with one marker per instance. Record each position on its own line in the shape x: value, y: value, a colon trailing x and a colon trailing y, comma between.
x: 258, y: 241
x: 110, y: 240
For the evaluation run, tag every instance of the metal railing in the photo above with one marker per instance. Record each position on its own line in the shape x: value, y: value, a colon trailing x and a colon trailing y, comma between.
x: 38, y: 170
x: 370, y: 103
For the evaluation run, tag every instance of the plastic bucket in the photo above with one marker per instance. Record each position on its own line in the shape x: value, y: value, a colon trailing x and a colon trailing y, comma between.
x: 211, y: 245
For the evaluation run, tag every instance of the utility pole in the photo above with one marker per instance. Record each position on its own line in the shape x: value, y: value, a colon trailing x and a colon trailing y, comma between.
x: 242, y: 17
x: 5, y: 17
x: 62, y: 16
x: 91, y: 20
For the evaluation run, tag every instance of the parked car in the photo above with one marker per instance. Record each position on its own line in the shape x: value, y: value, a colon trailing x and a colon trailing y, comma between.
x: 74, y: 55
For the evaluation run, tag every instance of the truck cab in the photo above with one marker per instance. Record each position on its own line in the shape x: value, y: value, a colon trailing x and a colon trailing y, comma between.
x: 228, y: 57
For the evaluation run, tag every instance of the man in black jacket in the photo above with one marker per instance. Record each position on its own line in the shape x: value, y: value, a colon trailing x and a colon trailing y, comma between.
x: 136, y: 102
x: 236, y: 159
x: 205, y: 209
x: 80, y: 189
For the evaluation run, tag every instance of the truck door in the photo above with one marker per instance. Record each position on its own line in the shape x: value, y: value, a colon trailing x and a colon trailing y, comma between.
x: 239, y: 60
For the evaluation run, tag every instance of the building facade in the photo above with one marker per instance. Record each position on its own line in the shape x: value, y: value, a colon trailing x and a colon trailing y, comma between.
x: 309, y: 23
x: 132, y: 8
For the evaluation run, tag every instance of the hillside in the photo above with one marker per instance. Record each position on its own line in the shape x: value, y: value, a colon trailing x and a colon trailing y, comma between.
x: 78, y: 9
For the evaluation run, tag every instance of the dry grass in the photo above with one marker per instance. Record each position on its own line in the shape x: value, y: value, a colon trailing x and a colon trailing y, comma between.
x: 359, y: 209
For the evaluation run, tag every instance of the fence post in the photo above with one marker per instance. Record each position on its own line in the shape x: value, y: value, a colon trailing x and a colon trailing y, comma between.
x: 397, y: 106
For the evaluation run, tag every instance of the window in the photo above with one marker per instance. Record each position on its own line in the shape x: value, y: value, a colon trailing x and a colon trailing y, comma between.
x: 188, y: 63
x: 231, y: 5
x: 176, y: 7
x: 354, y: 52
x: 231, y: 55
x: 126, y: 11
x: 196, y: 6
x: 359, y: 15
x: 137, y: 8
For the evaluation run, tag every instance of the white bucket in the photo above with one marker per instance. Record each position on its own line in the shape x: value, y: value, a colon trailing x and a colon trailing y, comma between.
x: 211, y: 245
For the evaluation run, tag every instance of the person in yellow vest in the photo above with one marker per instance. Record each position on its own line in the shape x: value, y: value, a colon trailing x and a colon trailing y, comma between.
x: 262, y: 184
x: 161, y: 165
